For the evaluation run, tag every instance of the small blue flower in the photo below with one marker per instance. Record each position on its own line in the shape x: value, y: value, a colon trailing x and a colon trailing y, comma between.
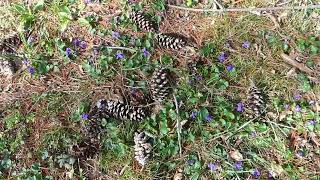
x: 85, y: 116
x: 297, y: 109
x: 145, y: 52
x: 313, y: 122
x: 115, y: 34
x: 300, y: 153
x: 209, y: 118
x: 246, y: 44
x: 312, y: 102
x: 230, y: 67
x: 254, y: 133
x: 191, y: 162
x: 26, y: 62
x: 256, y: 174
x: 31, y: 70
x: 238, y: 165
x: 83, y: 45
x: 119, y: 55
x: 212, y: 166
x: 189, y: 81
x: 222, y: 57
x: 68, y: 51
x: 132, y: 41
x: 297, y: 96
x: 76, y: 42
x: 286, y: 106
x: 193, y: 114
x: 199, y: 78
x: 240, y: 107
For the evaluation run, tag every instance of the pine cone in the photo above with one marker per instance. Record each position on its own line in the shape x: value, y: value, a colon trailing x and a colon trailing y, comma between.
x: 142, y: 148
x: 93, y: 128
x: 171, y: 41
x: 121, y: 111
x: 7, y: 68
x: 160, y: 88
x: 143, y: 22
x: 256, y: 103
x: 85, y: 149
x: 10, y: 44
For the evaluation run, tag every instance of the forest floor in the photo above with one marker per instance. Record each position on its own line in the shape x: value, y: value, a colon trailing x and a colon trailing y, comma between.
x: 81, y: 51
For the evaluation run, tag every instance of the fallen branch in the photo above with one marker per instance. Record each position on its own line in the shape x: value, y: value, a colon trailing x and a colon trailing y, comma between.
x: 247, y: 9
x: 301, y: 67
x: 296, y: 64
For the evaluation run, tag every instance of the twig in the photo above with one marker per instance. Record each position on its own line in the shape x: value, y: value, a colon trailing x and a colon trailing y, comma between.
x: 178, y: 124
x: 295, y: 64
x: 218, y: 4
x: 248, y: 9
x: 120, y: 48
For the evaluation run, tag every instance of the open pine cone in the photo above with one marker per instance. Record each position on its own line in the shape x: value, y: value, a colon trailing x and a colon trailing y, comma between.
x: 256, y: 103
x: 121, y: 111
x: 171, y: 41
x: 143, y: 22
x: 142, y: 148
x: 10, y: 44
x: 160, y: 85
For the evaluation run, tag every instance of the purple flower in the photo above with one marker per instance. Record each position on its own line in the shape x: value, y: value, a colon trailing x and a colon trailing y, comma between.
x: 270, y: 174
x: 297, y: 109
x: 312, y: 102
x: 246, y: 44
x: 199, y: 78
x: 31, y: 70
x: 194, y: 114
x: 238, y: 165
x: 286, y: 106
x: 297, y: 96
x: 85, y: 116
x: 313, y: 122
x: 26, y: 62
x: 68, y: 51
x: 132, y: 41
x: 87, y: 1
x: 212, y: 166
x: 254, y: 133
x: 120, y: 55
x: 115, y: 34
x: 83, y: 45
x: 189, y: 81
x: 76, y: 42
x: 145, y: 52
x: 222, y: 57
x: 240, y: 107
x: 300, y: 153
x: 256, y: 173
x: 230, y: 67
x: 191, y: 162
x: 209, y: 118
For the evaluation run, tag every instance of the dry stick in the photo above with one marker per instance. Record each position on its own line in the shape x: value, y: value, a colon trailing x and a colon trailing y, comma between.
x: 296, y: 64
x: 248, y: 9
x: 178, y: 124
x: 120, y: 48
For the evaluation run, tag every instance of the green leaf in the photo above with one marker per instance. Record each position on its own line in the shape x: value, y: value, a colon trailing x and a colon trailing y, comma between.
x: 83, y: 22
x: 164, y: 127
x: 19, y: 9
x: 39, y: 6
x: 314, y: 50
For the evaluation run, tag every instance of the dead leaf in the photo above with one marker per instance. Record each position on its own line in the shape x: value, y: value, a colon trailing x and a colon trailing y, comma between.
x: 236, y: 155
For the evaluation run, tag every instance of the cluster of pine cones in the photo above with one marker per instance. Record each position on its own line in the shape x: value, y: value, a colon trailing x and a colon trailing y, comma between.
x: 170, y: 41
x: 160, y: 89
